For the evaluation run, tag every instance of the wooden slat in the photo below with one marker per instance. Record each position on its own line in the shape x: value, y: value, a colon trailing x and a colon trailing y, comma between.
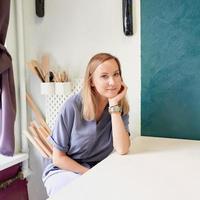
x: 37, y: 113
x: 35, y: 144
x: 40, y: 142
x: 44, y: 139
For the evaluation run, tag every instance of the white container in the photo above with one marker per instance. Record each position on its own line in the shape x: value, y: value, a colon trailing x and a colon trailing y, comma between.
x: 47, y: 88
x: 63, y: 88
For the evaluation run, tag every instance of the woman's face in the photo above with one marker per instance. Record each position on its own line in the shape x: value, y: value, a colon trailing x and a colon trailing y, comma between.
x: 106, y: 79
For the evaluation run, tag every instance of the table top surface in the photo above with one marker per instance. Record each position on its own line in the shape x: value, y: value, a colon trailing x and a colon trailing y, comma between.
x: 154, y: 169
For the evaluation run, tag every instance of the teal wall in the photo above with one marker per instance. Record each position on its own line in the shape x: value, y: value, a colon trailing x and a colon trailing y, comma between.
x: 170, y: 48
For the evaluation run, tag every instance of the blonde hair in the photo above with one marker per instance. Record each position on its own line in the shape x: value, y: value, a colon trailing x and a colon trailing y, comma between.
x: 89, y: 99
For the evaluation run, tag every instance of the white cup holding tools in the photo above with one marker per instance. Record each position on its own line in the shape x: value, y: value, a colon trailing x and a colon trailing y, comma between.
x: 63, y: 88
x: 47, y: 88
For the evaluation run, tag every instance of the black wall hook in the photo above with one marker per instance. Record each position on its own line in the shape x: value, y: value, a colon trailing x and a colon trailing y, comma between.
x: 39, y: 8
x: 127, y: 17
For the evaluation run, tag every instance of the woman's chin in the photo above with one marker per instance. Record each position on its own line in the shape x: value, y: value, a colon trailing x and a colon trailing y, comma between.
x: 110, y: 96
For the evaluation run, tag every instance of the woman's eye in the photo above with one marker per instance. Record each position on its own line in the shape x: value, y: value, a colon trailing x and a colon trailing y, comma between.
x: 116, y: 74
x: 104, y: 76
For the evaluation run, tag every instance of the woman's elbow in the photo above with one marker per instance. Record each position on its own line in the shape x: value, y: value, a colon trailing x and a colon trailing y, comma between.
x: 57, y: 157
x: 122, y: 152
x: 56, y: 160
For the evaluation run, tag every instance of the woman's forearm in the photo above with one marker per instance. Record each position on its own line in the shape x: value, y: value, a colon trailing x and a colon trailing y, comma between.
x: 121, y: 140
x: 66, y: 163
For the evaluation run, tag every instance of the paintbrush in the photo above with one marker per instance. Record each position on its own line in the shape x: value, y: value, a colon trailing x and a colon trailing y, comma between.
x: 39, y: 74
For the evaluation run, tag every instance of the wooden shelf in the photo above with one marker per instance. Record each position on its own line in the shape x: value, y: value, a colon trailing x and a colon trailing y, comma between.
x: 8, y: 161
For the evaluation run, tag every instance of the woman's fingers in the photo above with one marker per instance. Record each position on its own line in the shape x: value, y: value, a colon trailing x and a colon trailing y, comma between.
x: 118, y: 97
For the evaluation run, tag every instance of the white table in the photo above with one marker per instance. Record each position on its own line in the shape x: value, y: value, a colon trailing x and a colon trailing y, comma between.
x: 155, y: 169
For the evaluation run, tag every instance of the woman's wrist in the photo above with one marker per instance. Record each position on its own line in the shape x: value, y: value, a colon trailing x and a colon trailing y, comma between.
x: 115, y: 109
x: 112, y: 103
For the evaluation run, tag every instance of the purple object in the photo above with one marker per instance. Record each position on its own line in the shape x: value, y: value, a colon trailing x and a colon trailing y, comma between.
x: 15, y: 190
x: 7, y: 87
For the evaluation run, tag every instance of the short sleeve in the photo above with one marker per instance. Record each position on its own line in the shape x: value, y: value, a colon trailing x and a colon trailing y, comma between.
x: 60, y: 137
x: 125, y: 119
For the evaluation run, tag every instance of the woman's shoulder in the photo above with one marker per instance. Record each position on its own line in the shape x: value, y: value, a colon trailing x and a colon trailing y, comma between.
x: 74, y: 99
x: 73, y: 102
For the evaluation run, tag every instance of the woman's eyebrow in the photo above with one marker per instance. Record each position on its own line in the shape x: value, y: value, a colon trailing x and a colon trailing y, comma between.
x: 111, y: 72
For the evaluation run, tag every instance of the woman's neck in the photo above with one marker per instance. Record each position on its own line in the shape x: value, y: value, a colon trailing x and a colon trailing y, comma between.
x: 101, y: 104
x: 101, y: 101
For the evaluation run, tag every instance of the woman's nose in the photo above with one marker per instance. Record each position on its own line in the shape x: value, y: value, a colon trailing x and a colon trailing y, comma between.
x: 111, y: 81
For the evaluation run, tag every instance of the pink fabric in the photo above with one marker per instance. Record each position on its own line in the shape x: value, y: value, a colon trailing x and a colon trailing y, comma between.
x: 15, y: 190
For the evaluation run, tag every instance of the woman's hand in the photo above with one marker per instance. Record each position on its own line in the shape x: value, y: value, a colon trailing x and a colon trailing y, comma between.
x: 114, y: 101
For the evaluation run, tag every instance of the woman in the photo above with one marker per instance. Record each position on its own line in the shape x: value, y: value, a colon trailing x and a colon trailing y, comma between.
x: 90, y: 124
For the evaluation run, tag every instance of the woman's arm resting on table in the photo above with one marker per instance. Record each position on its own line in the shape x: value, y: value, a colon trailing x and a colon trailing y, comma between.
x: 121, y: 139
x: 61, y: 160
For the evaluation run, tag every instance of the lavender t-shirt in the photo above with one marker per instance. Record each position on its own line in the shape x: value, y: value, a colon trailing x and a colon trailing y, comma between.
x: 87, y: 142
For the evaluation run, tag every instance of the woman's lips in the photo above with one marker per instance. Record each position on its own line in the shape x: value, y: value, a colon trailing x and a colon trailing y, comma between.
x: 112, y: 89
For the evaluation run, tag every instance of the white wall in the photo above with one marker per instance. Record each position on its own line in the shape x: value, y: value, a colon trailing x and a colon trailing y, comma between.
x: 71, y: 32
